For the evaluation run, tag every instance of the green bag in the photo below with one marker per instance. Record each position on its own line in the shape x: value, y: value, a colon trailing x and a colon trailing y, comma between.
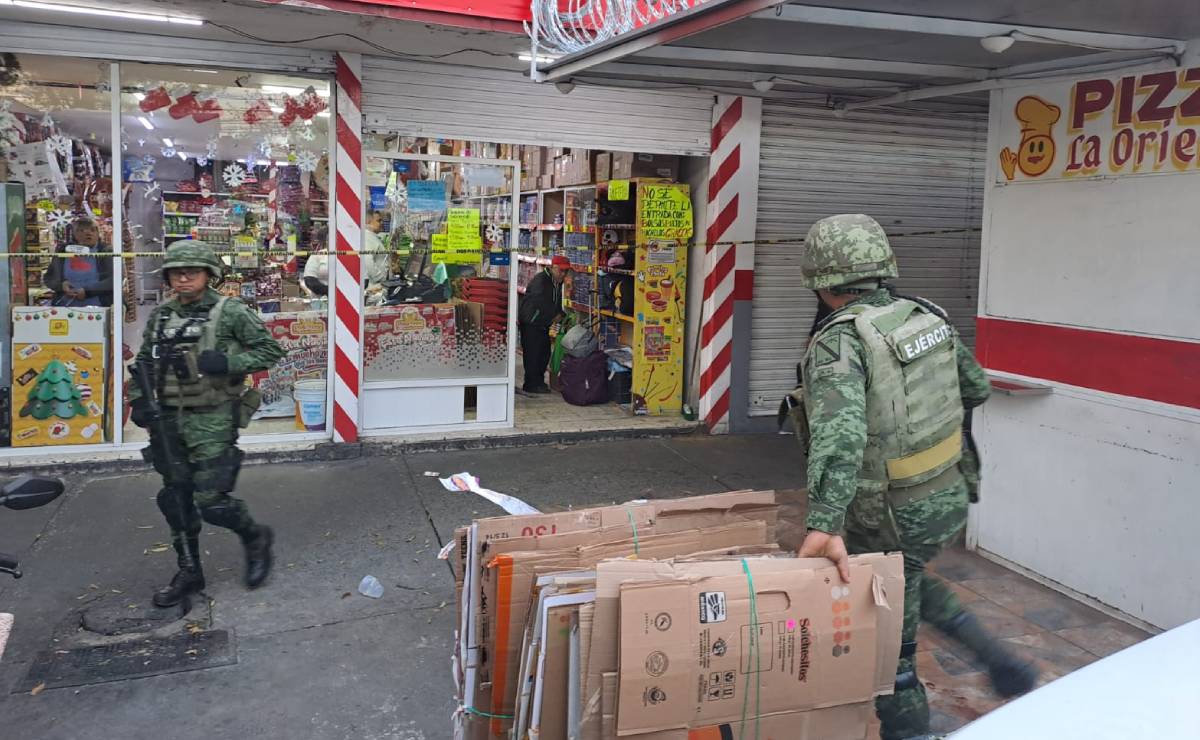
x: 556, y: 355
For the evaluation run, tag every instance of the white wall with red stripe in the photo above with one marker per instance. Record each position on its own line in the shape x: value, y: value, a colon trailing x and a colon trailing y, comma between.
x: 1088, y: 288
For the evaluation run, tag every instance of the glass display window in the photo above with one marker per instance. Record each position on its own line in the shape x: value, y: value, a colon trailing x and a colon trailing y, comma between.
x: 58, y: 287
x: 239, y: 161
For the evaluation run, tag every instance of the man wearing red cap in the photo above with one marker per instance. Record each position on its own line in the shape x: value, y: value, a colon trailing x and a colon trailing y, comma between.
x: 541, y: 306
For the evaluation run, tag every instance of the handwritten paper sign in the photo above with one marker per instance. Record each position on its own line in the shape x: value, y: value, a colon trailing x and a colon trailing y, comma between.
x: 618, y: 190
x: 665, y: 211
x: 463, y: 244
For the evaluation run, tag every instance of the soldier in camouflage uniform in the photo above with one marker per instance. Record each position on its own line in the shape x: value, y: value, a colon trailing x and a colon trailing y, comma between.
x: 200, y: 347
x: 885, y: 385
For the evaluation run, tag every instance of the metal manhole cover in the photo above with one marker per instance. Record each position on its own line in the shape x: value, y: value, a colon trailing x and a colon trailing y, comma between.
x: 133, y: 659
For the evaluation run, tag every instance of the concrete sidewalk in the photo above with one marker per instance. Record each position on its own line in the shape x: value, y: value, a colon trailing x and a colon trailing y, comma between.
x: 316, y: 660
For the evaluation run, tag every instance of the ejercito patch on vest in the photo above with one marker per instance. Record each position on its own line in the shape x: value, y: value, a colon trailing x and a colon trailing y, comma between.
x: 917, y: 344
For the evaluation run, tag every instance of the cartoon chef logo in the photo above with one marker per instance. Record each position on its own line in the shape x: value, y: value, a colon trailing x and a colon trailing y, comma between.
x: 1035, y: 154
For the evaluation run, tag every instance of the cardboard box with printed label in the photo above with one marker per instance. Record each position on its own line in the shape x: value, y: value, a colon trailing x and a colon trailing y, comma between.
x: 693, y: 648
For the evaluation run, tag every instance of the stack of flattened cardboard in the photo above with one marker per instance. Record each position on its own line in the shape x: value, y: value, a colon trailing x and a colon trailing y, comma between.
x: 666, y: 620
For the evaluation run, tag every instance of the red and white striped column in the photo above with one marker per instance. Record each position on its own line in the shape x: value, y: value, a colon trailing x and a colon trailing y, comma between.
x: 729, y: 254
x: 347, y: 301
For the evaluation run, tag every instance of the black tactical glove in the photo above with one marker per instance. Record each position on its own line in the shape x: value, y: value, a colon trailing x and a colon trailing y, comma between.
x: 212, y: 362
x: 139, y: 412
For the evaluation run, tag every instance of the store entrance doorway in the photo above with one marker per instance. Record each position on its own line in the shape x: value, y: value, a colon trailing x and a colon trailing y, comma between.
x: 439, y: 346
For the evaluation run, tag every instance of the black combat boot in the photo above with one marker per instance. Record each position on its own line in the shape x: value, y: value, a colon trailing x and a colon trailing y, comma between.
x: 1010, y: 675
x: 187, y: 581
x: 258, y: 555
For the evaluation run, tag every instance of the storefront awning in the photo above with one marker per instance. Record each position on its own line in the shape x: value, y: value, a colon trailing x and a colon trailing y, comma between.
x: 859, y: 53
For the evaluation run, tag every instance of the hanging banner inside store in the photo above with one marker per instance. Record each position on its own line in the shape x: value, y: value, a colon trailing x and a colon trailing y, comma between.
x: 379, y: 199
x: 426, y: 196
x: 664, y: 211
x: 1136, y: 124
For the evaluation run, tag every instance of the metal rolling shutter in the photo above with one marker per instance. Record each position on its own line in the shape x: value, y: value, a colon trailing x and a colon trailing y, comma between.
x: 913, y: 170
x: 443, y: 100
x: 38, y: 38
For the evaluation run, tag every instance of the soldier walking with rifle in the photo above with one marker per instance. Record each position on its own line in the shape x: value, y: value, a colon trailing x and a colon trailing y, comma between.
x: 190, y: 393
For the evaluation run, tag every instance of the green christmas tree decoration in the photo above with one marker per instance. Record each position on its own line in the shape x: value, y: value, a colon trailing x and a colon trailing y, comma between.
x: 54, y: 394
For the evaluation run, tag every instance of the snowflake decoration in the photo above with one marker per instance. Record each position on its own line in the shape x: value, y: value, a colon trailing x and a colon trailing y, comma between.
x: 58, y: 218
x: 264, y: 148
x: 47, y: 121
x: 168, y: 151
x: 493, y: 234
x: 151, y: 191
x: 234, y: 175
x: 202, y: 161
x: 306, y: 132
x: 60, y: 144
x: 210, y: 149
x: 307, y: 161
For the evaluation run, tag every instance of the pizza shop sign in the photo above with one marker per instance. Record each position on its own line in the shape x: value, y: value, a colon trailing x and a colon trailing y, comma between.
x: 1137, y: 124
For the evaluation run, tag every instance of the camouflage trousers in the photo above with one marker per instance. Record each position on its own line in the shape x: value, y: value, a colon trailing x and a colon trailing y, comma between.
x: 199, y: 463
x: 919, y: 530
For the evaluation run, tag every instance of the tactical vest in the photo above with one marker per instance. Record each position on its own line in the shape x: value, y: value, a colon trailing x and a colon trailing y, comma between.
x: 914, y: 407
x: 191, y: 336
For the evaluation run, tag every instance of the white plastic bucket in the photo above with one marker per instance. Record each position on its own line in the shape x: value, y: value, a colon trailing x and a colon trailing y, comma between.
x: 310, y: 404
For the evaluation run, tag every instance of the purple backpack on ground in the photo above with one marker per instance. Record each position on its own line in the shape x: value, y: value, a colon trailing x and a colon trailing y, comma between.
x: 584, y: 380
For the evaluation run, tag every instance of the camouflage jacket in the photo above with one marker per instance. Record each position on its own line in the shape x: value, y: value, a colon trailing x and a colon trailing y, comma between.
x: 837, y: 416
x: 238, y: 323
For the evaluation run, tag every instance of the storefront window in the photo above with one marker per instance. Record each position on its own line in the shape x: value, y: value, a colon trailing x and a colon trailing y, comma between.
x: 240, y: 161
x: 437, y: 245
x: 57, y: 293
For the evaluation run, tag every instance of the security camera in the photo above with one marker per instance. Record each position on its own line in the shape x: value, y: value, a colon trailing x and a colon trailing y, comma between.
x: 763, y: 85
x: 564, y: 87
x: 996, y: 44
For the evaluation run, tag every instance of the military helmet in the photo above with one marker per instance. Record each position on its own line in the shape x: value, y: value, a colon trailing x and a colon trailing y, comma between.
x: 192, y: 253
x: 845, y: 249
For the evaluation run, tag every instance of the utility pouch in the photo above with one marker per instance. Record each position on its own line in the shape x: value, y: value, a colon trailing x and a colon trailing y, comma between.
x: 249, y: 403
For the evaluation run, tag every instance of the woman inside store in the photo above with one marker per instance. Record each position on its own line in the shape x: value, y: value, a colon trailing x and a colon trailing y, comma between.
x: 76, y: 278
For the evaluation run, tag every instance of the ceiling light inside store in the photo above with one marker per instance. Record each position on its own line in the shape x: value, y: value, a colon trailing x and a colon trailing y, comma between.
x: 996, y: 44
x: 139, y: 97
x: 182, y: 156
x: 541, y: 58
x: 82, y: 10
x: 168, y: 142
x: 146, y: 122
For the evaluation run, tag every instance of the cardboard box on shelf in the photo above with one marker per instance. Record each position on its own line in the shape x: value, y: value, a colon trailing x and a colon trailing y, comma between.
x: 603, y: 166
x: 626, y: 165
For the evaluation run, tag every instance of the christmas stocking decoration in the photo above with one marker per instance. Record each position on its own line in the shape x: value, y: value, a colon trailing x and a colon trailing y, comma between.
x: 155, y: 99
x: 206, y: 111
x: 184, y: 106
x: 257, y: 113
x: 291, y: 110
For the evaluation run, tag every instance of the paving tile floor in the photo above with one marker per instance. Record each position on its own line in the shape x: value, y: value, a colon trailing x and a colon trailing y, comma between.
x: 1056, y: 632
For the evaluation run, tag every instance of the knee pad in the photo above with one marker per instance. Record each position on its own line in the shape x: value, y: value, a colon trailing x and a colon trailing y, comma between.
x: 175, y: 503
